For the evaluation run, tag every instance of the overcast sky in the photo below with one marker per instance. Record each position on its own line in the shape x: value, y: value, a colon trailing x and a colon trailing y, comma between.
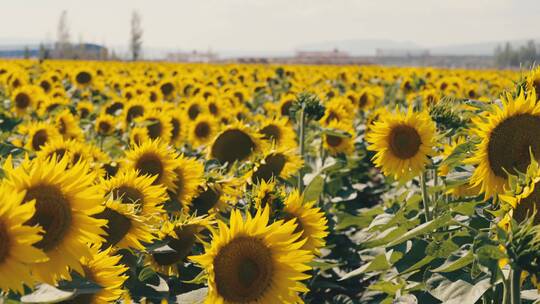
x: 273, y: 25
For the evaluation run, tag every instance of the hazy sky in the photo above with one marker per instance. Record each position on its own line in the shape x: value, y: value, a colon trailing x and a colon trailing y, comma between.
x: 274, y: 25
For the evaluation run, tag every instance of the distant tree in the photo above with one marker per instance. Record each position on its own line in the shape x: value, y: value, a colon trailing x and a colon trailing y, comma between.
x: 26, y: 52
x: 136, y: 36
x: 525, y: 56
x: 63, y: 45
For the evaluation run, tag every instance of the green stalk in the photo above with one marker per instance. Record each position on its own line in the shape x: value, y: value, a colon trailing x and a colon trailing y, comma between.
x: 425, y: 196
x: 515, y: 286
x: 301, y: 139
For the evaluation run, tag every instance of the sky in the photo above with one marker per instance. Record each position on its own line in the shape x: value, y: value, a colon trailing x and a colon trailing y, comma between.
x: 272, y: 25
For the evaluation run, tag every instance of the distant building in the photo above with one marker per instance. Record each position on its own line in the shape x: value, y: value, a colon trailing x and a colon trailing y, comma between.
x: 87, y: 51
x: 194, y: 56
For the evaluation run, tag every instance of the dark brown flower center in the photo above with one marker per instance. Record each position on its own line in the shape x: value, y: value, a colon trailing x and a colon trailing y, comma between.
x: 286, y: 108
x: 22, y: 101
x: 83, y: 78
x: 194, y: 111
x: 4, y: 242
x: 117, y: 227
x: 175, y: 128
x: 333, y: 141
x: 244, y: 270
x: 202, y: 130
x: 510, y: 141
x: 53, y: 214
x: 134, y: 112
x: 150, y: 164
x: 154, y: 128
x: 272, y: 167
x: 39, y: 139
x: 205, y: 201
x: 404, y: 141
x: 271, y: 132
x: 232, y: 145
x: 128, y: 195
x: 167, y: 88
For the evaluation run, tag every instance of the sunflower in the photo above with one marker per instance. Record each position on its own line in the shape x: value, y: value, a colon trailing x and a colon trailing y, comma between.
x: 133, y: 109
x: 157, y: 124
x: 402, y: 143
x: 278, y: 131
x: 84, y: 109
x: 339, y: 143
x: 59, y: 147
x: 202, y: 130
x: 125, y: 228
x: 16, y: 240
x: 129, y: 187
x: 104, y: 269
x: 38, y: 134
x: 523, y: 200
x: 154, y: 158
x: 178, y: 127
x: 82, y: 78
x: 216, y: 194
x: 66, y: 199
x: 194, y: 108
x: 138, y: 136
x: 167, y: 87
x: 309, y: 219
x: 337, y: 110
x: 266, y: 194
x: 105, y: 124
x: 180, y: 235
x: 533, y: 81
x: 189, y: 176
x: 285, y: 105
x: 508, y: 135
x: 24, y: 99
x: 254, y: 261
x: 237, y: 142
x: 68, y: 125
x: 277, y: 163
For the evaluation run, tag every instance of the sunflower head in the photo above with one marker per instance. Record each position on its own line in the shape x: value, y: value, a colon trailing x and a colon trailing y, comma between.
x: 236, y: 143
x: 402, y: 143
x: 508, y: 135
x: 251, y: 260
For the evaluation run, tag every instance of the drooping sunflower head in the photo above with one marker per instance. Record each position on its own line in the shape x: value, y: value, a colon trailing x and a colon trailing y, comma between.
x: 267, y: 194
x: 130, y: 187
x: 254, y: 261
x: 508, y: 135
x: 533, y: 81
x: 340, y: 139
x: 85, y: 109
x: 105, y: 124
x: 153, y: 158
x: 403, y: 143
x: 133, y: 109
x: 216, y: 194
x: 189, y: 177
x: 310, y: 220
x: 157, y: 124
x: 127, y: 226
x: 104, y: 268
x: 65, y: 198
x: 181, y: 235
x: 179, y: 126
x: 276, y: 163
x: 236, y: 143
x: 278, y: 131
x: 17, y: 238
x: 68, y: 125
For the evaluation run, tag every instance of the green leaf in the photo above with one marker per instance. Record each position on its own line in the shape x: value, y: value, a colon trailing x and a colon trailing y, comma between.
x: 380, y: 262
x: 456, y: 261
x: 387, y: 287
x: 45, y: 293
x: 441, y: 249
x: 422, y: 229
x: 146, y: 274
x: 362, y: 220
x: 456, y: 292
x: 314, y: 189
x: 323, y: 265
x: 385, y: 237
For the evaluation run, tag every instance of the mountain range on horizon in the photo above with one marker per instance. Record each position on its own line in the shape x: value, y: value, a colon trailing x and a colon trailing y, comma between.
x: 355, y: 47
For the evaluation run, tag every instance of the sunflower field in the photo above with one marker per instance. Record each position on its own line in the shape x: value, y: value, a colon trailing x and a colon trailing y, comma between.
x: 149, y: 182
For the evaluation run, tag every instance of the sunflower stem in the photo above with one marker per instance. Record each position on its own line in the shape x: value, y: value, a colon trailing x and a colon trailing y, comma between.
x: 515, y: 286
x: 425, y: 197
x: 301, y: 139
